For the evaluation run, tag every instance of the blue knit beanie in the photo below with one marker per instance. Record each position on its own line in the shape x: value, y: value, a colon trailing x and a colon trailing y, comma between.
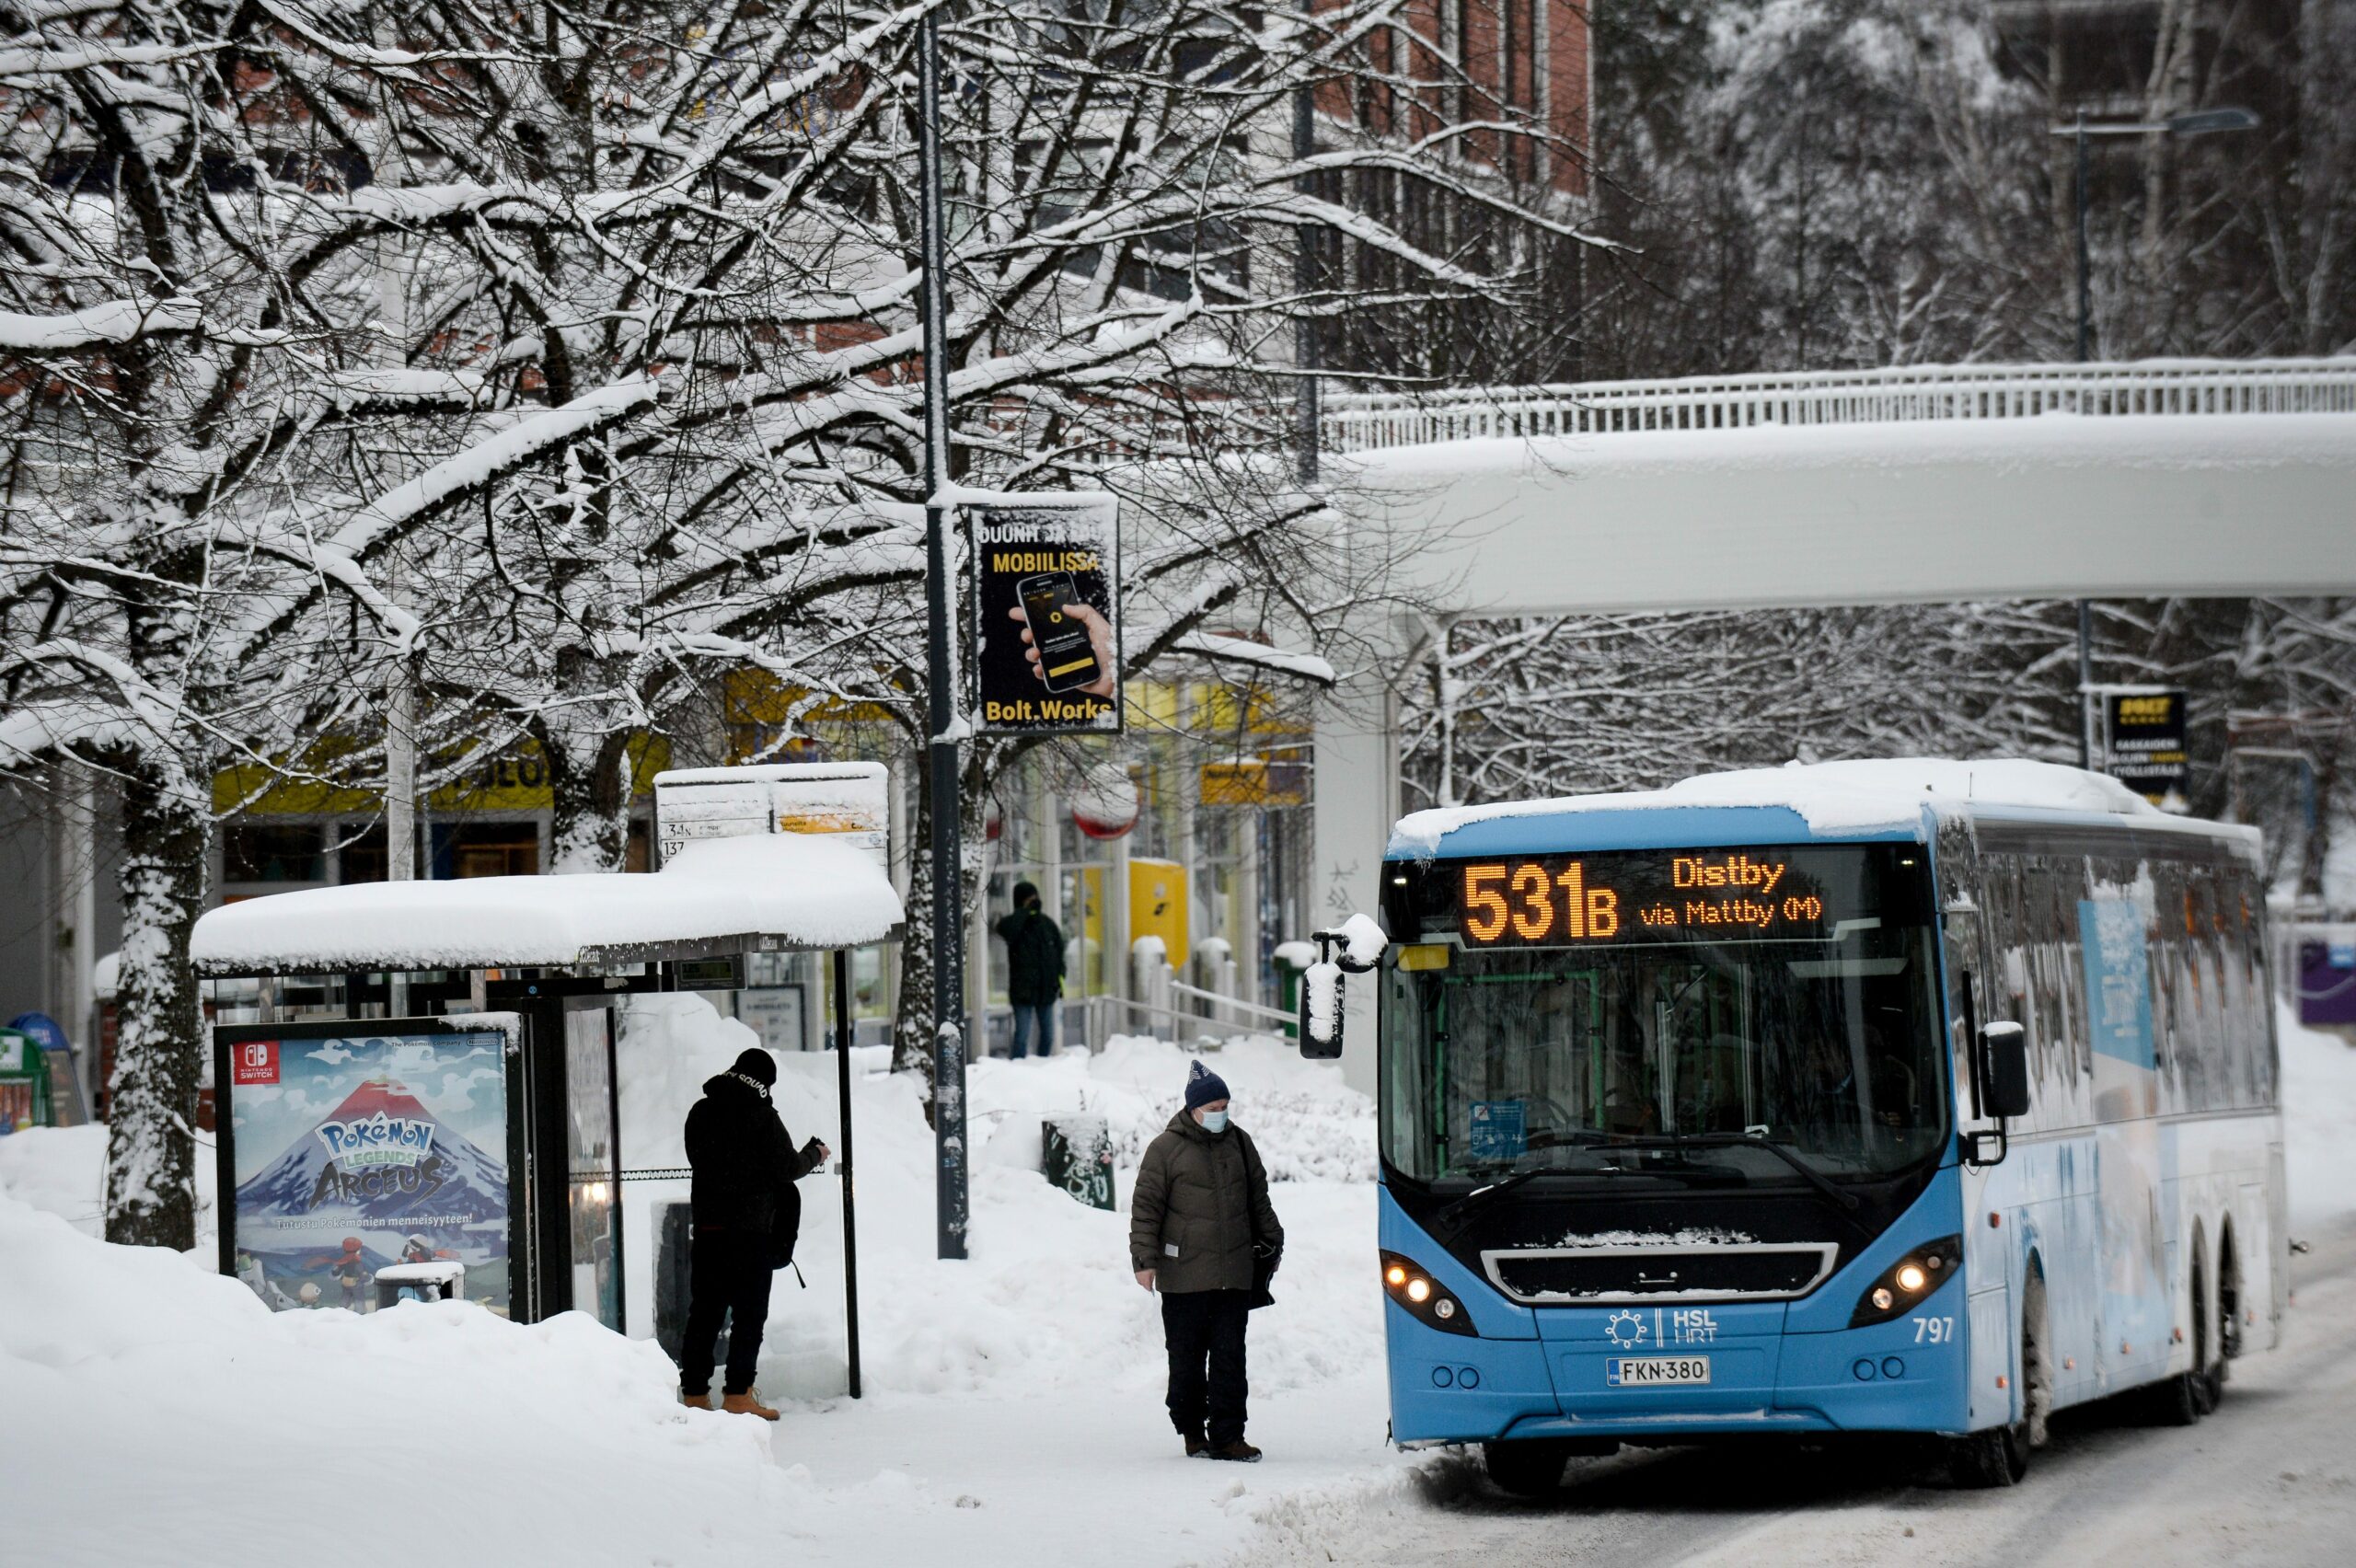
x: 1203, y: 1086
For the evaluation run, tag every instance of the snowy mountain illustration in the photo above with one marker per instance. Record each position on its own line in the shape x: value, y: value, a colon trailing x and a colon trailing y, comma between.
x: 380, y: 1157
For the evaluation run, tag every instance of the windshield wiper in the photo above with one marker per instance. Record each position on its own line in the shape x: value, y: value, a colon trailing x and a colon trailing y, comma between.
x: 1463, y: 1206
x: 1782, y: 1151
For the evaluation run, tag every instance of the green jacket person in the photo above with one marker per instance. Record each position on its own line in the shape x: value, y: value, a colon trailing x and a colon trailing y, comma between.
x: 1203, y: 1233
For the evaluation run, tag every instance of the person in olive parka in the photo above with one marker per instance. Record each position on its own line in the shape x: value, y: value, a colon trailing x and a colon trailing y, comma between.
x: 744, y: 1207
x: 1203, y: 1233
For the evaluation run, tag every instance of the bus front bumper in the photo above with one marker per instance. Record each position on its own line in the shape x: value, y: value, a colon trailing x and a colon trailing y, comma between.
x: 1562, y: 1384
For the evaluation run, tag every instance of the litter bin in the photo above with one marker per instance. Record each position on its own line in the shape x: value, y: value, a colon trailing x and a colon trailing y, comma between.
x: 1075, y: 1153
x: 444, y: 1279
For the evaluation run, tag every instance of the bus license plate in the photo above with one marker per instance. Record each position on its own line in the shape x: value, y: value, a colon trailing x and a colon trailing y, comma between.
x: 1635, y: 1371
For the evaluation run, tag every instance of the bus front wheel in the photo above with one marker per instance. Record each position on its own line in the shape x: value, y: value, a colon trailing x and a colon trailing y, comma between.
x: 1998, y: 1456
x: 1530, y: 1467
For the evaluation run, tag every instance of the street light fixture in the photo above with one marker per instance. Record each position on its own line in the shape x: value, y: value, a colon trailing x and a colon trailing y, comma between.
x: 2198, y: 122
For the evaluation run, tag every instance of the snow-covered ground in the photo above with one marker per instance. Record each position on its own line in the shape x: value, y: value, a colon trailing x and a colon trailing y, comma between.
x: 2318, y: 1124
x: 1013, y: 1410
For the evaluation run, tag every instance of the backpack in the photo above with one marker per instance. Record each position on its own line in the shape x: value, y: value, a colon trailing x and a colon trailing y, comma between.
x: 785, y: 1226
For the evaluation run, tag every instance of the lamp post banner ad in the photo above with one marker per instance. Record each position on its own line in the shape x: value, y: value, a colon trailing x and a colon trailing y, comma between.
x: 1046, y: 608
x: 2143, y: 732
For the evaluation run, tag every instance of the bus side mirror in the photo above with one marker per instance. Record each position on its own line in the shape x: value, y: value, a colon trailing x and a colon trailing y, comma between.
x: 2004, y: 1059
x: 1321, y: 1010
x: 1354, y: 947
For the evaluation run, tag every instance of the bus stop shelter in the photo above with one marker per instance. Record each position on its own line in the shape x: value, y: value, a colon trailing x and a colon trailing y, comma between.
x: 465, y: 1107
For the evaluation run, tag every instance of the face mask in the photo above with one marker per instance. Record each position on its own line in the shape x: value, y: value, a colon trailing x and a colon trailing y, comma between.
x: 1214, y: 1121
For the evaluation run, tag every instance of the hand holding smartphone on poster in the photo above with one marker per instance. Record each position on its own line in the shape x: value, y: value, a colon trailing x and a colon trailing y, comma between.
x: 1069, y: 644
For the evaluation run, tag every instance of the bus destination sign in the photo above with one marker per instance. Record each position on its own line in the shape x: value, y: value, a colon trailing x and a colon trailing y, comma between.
x: 1649, y: 896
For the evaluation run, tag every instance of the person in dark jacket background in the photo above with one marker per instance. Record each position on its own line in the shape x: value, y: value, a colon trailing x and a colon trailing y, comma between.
x: 1203, y: 1233
x: 745, y: 1166
x: 1034, y: 971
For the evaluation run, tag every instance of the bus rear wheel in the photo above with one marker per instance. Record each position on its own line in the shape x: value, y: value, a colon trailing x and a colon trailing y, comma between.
x: 2185, y: 1398
x: 1529, y: 1467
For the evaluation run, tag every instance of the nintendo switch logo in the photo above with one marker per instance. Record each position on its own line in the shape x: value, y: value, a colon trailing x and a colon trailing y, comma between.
x: 256, y: 1061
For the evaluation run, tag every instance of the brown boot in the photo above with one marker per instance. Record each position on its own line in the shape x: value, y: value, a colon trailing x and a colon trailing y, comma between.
x: 1196, y: 1444
x: 749, y: 1403
x: 1239, y: 1451
x: 696, y: 1401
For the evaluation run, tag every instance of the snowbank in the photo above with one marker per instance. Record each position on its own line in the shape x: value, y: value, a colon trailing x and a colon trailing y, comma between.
x: 2318, y: 1123
x: 1013, y: 1401
x: 170, y: 1417
x: 60, y: 1170
x: 63, y: 1170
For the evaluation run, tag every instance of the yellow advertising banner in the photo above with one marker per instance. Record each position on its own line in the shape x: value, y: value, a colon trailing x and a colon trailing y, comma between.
x: 1249, y: 781
x: 1157, y: 904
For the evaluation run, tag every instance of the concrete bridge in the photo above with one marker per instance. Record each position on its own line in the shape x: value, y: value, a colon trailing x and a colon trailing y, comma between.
x: 2157, y: 477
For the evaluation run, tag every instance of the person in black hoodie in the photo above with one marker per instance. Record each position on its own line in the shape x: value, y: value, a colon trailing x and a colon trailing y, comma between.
x: 745, y: 1166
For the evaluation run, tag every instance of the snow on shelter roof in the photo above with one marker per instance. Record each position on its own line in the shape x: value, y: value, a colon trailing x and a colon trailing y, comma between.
x: 1832, y: 799
x: 760, y: 893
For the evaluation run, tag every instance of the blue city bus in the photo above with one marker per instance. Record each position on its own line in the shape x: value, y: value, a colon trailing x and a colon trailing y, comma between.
x: 1897, y: 1097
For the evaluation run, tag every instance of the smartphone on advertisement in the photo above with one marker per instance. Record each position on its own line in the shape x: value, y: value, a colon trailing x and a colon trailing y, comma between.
x: 1066, y: 658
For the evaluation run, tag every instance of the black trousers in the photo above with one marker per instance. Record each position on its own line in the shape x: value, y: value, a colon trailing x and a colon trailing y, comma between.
x: 729, y: 1274
x: 1204, y: 1330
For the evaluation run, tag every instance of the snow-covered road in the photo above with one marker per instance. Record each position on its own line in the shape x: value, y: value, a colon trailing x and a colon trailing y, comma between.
x: 2270, y: 1478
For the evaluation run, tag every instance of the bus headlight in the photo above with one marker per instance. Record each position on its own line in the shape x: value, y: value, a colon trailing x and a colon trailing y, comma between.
x: 1423, y: 1297
x: 1908, y: 1282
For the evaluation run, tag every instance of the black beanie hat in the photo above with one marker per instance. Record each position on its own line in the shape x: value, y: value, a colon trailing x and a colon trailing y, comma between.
x: 1024, y: 892
x: 757, y: 1064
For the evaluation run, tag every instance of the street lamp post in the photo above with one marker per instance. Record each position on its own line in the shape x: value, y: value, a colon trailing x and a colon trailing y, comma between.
x: 942, y: 729
x: 2200, y: 123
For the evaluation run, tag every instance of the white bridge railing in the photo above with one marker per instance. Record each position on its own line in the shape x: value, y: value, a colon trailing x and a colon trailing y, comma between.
x: 1369, y: 422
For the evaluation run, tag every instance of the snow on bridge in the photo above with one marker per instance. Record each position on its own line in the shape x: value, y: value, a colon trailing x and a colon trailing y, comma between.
x: 1923, y: 483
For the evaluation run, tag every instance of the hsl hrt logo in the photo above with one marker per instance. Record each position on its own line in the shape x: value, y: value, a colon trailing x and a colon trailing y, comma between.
x: 378, y: 1140
x: 1626, y: 1328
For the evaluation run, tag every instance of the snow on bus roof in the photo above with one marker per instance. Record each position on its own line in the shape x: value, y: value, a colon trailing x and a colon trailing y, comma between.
x: 766, y: 891
x: 1832, y: 799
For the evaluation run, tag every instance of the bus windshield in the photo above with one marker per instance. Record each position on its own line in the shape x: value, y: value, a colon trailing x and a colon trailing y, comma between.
x: 1707, y: 1005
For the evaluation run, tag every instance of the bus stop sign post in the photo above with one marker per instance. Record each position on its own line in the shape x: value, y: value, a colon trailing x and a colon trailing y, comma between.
x: 851, y: 1210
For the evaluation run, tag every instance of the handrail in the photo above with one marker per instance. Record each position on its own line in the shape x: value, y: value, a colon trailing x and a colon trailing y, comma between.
x: 1237, y: 1003
x: 1370, y: 422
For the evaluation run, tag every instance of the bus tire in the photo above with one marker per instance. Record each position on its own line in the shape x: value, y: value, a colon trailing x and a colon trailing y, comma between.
x: 2176, y: 1401
x: 1530, y: 1467
x: 2179, y: 1401
x: 1998, y: 1456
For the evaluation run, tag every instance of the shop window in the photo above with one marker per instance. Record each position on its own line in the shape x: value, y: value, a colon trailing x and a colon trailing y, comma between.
x: 362, y: 858
x: 273, y: 853
x: 495, y: 849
